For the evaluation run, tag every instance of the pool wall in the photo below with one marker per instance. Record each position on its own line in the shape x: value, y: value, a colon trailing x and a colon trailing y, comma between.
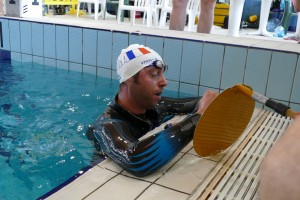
x: 195, y: 63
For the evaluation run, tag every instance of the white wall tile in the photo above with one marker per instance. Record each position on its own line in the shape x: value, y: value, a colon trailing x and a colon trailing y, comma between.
x: 104, y: 49
x: 49, y: 41
x: 75, y: 44
x: 156, y: 43
x: 212, y: 61
x: 38, y: 60
x: 103, y: 72
x: 62, y: 43
x: 233, y: 66
x: 75, y: 67
x: 257, y: 69
x: 89, y: 47
x: 89, y: 69
x: 15, y: 56
x: 26, y: 58
x: 172, y: 86
x: 137, y: 39
x: 62, y: 64
x: 296, y: 84
x: 15, y: 37
x: 50, y: 62
x: 120, y: 41
x: 26, y: 38
x: 281, y: 75
x: 191, y: 62
x: 37, y: 33
x: 172, y: 56
x: 187, y: 90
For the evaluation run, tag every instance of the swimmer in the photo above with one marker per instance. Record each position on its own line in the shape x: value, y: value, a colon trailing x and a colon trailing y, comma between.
x: 138, y: 108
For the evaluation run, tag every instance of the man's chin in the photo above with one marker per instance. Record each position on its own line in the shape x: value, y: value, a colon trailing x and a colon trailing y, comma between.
x: 156, y: 99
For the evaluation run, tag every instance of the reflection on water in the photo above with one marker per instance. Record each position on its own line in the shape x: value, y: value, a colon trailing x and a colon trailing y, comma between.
x: 44, y: 113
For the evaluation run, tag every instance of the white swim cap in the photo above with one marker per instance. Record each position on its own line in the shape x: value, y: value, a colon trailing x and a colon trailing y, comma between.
x: 134, y: 58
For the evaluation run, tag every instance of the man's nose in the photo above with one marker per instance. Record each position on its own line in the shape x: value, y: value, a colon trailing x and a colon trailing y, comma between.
x: 163, y: 81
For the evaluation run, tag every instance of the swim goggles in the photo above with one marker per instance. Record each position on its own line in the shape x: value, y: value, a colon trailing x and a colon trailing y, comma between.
x: 159, y: 64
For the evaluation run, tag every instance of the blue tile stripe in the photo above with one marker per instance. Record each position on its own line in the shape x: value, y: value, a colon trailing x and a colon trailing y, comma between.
x: 193, y: 64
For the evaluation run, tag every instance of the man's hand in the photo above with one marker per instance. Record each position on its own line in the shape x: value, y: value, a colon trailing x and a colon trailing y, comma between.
x: 207, y: 98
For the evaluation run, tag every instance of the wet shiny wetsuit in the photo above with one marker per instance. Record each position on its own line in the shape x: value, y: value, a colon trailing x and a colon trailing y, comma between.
x: 117, y: 131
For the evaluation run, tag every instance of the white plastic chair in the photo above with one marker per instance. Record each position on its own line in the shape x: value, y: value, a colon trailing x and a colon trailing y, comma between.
x: 165, y: 9
x: 192, y: 10
x: 96, y: 7
x: 155, y: 13
x: 236, y: 11
x: 145, y: 6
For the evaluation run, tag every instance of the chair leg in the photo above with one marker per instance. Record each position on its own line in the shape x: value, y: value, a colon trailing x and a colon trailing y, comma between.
x: 122, y: 15
x: 144, y: 17
x: 103, y: 9
x: 96, y: 7
x: 156, y: 18
x: 90, y: 9
x: 119, y: 16
x: 78, y: 6
x: 163, y: 18
x: 132, y: 17
x: 149, y: 18
x: 191, y: 22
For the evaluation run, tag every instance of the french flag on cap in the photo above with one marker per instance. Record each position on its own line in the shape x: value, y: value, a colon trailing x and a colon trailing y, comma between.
x: 132, y: 54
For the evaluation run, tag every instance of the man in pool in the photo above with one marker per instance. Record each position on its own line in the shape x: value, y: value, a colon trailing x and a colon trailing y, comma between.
x: 138, y: 108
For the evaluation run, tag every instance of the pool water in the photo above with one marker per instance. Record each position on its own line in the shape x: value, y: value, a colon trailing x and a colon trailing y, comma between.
x: 44, y: 113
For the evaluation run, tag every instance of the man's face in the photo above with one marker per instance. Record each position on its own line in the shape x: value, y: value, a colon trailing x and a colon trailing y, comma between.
x: 147, y: 86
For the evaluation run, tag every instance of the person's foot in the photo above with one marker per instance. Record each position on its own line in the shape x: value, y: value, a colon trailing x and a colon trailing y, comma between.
x: 293, y: 37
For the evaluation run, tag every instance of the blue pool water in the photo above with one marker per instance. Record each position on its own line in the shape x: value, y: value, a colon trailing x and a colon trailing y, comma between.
x: 44, y: 113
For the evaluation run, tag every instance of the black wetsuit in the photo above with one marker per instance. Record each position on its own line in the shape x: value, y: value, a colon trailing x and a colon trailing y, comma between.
x: 117, y: 131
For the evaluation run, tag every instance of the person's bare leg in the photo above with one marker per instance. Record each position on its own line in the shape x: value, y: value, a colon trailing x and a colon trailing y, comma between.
x: 280, y: 171
x: 206, y: 16
x: 178, y: 15
x: 297, y: 5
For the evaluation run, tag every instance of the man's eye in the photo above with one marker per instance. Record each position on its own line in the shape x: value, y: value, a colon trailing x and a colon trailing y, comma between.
x: 155, y: 74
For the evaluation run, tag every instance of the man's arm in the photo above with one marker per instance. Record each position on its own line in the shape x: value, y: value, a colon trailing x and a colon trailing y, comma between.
x: 280, y: 170
x: 144, y: 157
x: 177, y: 105
x: 187, y: 105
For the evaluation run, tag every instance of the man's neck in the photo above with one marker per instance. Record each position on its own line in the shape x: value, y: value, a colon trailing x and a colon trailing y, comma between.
x: 129, y: 104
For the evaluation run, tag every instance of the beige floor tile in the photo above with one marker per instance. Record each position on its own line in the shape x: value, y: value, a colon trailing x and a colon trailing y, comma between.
x: 187, y: 173
x: 111, y: 165
x: 84, y: 184
x: 157, y: 192
x: 120, y: 187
